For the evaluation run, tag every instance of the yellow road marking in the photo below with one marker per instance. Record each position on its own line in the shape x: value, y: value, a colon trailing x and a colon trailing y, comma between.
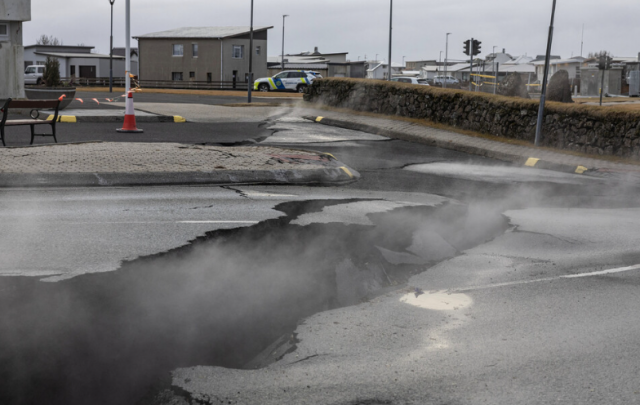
x: 329, y: 154
x: 319, y: 119
x: 347, y: 171
x: 177, y: 118
x: 63, y: 118
x: 531, y: 162
x: 581, y: 169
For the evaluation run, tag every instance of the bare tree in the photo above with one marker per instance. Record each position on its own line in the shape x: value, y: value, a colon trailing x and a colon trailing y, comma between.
x: 48, y: 40
x: 597, y: 55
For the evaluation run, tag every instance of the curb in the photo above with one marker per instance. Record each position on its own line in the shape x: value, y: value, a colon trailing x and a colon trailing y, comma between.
x: 474, y: 150
x: 115, y: 118
x: 325, y: 176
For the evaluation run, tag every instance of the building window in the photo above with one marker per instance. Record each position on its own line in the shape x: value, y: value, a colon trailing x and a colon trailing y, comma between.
x: 238, y: 52
x: 209, y: 78
x: 27, y: 63
x: 178, y: 50
x: 4, y: 32
x: 192, y: 75
x: 176, y: 76
x: 194, y: 50
x: 257, y: 50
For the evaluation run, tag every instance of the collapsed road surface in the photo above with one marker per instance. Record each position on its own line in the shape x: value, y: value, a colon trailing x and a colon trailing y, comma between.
x: 439, y: 277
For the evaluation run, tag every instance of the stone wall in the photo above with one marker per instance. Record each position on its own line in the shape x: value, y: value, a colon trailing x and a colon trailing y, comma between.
x: 587, y: 129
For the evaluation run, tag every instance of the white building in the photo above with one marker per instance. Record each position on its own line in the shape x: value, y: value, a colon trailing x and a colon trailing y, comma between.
x: 571, y: 65
x: 12, y: 14
x: 380, y: 70
x: 77, y: 61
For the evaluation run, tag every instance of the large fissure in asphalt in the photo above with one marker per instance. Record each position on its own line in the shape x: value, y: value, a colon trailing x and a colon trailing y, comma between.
x: 113, y: 338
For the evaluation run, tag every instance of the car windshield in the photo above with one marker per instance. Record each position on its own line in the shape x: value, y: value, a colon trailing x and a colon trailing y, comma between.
x: 30, y: 70
x: 421, y: 81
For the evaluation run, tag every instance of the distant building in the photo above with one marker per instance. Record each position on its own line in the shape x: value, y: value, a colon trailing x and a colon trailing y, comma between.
x: 380, y: 70
x: 203, y: 54
x: 417, y: 65
x: 77, y: 61
x: 333, y: 64
x: 571, y: 65
x: 12, y: 14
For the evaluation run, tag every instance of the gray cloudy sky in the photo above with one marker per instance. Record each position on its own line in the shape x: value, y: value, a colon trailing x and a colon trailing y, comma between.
x: 360, y: 27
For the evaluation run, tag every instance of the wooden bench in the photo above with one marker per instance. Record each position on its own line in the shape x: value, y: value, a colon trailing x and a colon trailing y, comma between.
x: 34, y: 105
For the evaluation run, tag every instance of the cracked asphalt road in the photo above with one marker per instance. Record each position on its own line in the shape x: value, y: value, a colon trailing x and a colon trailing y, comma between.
x: 503, y: 318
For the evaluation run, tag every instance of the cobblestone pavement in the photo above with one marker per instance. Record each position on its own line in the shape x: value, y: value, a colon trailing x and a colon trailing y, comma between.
x: 157, y: 157
x: 529, y: 155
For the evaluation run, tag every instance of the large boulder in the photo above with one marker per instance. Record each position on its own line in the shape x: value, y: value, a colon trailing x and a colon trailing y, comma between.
x: 513, y: 86
x: 559, y: 87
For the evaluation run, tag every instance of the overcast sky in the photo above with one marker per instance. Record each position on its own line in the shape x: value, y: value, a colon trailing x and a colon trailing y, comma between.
x: 360, y: 27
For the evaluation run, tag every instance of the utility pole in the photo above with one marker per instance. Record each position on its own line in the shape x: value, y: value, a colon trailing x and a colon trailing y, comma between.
x: 545, y: 76
x: 250, y: 81
x: 390, y: 36
x: 446, y: 56
x: 495, y: 73
x: 111, y: 51
x: 283, y: 17
x: 582, y: 40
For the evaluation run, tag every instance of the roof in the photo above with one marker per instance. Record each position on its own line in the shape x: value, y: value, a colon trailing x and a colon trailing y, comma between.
x: 77, y: 55
x: 576, y: 59
x: 203, y: 32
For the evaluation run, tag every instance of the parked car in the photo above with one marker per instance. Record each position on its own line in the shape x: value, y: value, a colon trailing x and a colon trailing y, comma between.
x: 316, y: 74
x: 445, y: 79
x: 410, y: 80
x: 296, y: 80
x: 33, y: 74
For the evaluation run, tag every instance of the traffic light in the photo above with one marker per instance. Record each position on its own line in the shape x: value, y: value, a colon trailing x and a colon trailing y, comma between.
x: 604, y: 62
x: 476, y: 47
x: 467, y: 44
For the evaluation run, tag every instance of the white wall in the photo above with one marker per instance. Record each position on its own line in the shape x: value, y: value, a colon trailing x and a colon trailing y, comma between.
x: 15, y: 10
x: 12, y: 62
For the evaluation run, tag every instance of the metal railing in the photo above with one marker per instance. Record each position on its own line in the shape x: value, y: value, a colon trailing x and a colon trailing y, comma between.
x: 159, y: 84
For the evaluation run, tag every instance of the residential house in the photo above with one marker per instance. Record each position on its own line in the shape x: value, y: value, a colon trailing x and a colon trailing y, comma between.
x: 12, y: 14
x: 417, y: 65
x: 571, y: 65
x: 133, y: 53
x: 76, y: 61
x: 203, y: 54
x: 380, y: 70
x: 327, y: 64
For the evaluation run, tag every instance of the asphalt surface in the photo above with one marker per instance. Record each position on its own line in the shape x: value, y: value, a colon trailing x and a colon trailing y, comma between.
x: 438, y: 278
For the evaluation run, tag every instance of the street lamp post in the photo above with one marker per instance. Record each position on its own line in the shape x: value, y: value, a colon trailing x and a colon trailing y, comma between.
x: 127, y: 69
x: 544, y: 79
x: 111, y: 51
x: 390, y: 36
x: 250, y: 80
x: 283, y: 17
x: 446, y: 56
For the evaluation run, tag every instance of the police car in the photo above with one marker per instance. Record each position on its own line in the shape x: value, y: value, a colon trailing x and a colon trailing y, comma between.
x: 296, y: 80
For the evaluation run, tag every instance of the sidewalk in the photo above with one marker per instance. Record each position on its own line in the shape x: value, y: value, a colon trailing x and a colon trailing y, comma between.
x: 541, y: 158
x: 126, y: 164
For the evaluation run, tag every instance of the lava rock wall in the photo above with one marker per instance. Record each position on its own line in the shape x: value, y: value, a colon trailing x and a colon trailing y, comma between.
x: 587, y: 129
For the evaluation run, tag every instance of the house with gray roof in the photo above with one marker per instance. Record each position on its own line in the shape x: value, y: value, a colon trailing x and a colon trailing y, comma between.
x: 204, y: 54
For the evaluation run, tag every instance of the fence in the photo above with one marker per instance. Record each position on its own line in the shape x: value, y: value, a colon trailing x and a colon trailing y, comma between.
x: 159, y: 84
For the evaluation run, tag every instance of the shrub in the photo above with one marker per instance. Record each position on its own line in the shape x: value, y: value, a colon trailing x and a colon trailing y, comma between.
x: 51, y: 75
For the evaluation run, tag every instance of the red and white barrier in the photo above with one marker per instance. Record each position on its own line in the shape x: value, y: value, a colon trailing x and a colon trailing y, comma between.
x: 129, y: 117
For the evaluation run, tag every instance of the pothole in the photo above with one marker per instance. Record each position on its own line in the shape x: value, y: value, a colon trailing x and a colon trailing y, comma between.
x: 113, y: 338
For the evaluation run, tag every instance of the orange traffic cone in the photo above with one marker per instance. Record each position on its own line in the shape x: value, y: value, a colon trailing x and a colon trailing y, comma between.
x: 129, y: 118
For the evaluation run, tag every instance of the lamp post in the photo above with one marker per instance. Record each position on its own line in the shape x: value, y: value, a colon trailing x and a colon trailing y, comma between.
x: 127, y: 69
x: 544, y: 79
x: 283, y: 17
x: 390, y: 36
x: 250, y: 80
x: 111, y: 51
x: 446, y: 56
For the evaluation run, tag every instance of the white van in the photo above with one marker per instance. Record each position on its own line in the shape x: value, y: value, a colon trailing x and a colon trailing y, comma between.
x: 33, y: 74
x: 445, y: 79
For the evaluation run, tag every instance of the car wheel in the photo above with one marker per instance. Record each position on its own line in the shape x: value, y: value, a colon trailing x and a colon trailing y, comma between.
x: 301, y: 88
x: 264, y: 87
x: 38, y: 82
